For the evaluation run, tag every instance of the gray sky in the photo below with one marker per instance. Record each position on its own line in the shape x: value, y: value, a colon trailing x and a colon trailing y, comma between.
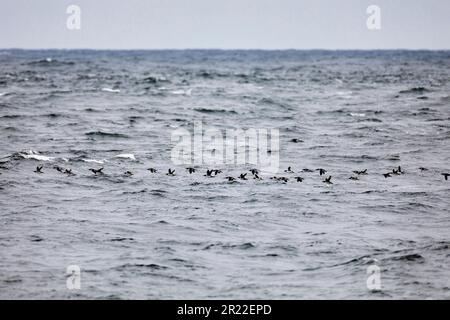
x: 227, y: 24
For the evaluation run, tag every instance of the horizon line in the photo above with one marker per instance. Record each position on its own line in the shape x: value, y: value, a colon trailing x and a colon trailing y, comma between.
x: 223, y: 49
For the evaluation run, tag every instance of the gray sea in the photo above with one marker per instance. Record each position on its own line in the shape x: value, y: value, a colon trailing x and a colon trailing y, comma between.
x: 154, y: 236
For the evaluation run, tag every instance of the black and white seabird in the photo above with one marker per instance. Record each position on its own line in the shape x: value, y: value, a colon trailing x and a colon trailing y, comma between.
x: 208, y: 173
x: 39, y: 169
x: 321, y: 171
x: 360, y: 172
x: 152, y: 170
x: 387, y: 175
x: 95, y: 171
x: 328, y: 180
x: 423, y: 169
x: 299, y: 179
x: 170, y: 172
x: 230, y: 179
x: 128, y: 173
x: 190, y: 170
x: 254, y: 171
x: 289, y: 170
x: 242, y: 176
x: 58, y: 168
x: 283, y: 179
x: 307, y: 170
x: 446, y: 175
x: 354, y: 178
x: 69, y: 172
x: 256, y: 177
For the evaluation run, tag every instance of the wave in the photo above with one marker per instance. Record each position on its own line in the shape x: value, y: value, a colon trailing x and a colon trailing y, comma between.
x: 418, y: 90
x: 272, y: 102
x: 154, y: 79
x: 110, y: 90
x: 187, y: 92
x: 142, y: 265
x: 207, y: 110
x: 31, y: 154
x: 12, y: 116
x: 126, y: 156
x: 106, y: 134
x: 409, y: 257
x: 50, y: 61
x: 94, y: 161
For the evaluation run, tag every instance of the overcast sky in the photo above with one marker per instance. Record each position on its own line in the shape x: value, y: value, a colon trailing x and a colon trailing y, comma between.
x: 226, y: 24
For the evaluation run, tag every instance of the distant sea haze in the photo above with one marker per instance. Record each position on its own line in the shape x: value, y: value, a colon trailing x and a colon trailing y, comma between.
x: 154, y: 234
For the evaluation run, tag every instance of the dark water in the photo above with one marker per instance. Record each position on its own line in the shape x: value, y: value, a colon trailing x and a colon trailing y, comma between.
x: 189, y: 236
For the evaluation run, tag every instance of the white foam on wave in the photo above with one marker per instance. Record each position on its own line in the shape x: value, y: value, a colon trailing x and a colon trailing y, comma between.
x: 358, y: 114
x: 126, y: 156
x: 95, y: 161
x: 344, y: 94
x: 31, y: 154
x: 187, y: 92
x: 111, y: 90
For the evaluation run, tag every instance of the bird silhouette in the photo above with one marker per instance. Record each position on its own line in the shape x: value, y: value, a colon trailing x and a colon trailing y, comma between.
x: 95, y: 171
x: 190, y: 170
x: 39, y: 169
x: 328, y: 180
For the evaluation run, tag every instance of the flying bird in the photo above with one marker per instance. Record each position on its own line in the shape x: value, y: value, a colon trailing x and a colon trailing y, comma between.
x: 328, y: 180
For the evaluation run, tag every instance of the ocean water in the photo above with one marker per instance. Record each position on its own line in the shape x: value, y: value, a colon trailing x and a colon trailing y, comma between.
x: 153, y: 236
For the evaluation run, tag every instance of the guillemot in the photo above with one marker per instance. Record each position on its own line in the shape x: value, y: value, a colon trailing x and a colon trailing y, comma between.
x: 446, y: 175
x: 256, y: 177
x: 242, y: 176
x: 152, y: 170
x: 39, y: 169
x: 289, y: 170
x: 328, y: 180
x: 95, y: 171
x: 58, y: 168
x: 208, y: 173
x: 321, y: 171
x: 170, y: 172
x: 190, y: 170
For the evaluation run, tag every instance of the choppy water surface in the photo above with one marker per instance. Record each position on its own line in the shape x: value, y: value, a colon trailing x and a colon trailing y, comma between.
x: 189, y: 236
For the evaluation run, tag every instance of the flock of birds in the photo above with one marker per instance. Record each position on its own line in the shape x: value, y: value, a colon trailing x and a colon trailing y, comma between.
x: 255, y: 174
